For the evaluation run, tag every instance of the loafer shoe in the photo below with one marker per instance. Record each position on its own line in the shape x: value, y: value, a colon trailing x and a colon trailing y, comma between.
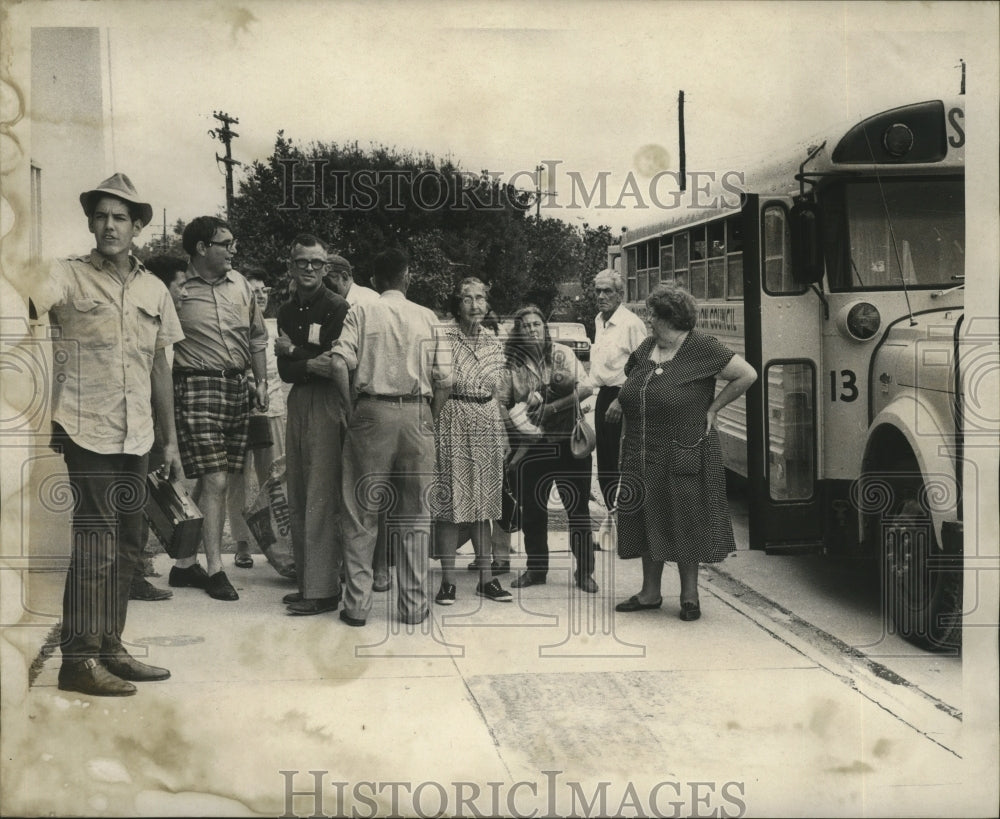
x: 220, y: 588
x: 634, y: 604
x: 357, y: 622
x: 142, y: 589
x: 129, y: 668
x: 528, y: 579
x: 194, y: 576
x: 446, y: 595
x: 316, y: 605
x: 588, y: 584
x: 414, y: 621
x: 690, y: 611
x: 292, y: 597
x: 90, y: 677
x: 382, y: 583
x: 494, y: 591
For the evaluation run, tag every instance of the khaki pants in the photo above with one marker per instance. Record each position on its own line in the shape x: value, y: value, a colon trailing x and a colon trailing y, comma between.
x: 388, y: 465
x: 313, y: 469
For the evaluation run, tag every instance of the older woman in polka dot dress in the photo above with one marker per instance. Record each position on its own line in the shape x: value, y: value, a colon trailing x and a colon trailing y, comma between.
x: 672, y: 503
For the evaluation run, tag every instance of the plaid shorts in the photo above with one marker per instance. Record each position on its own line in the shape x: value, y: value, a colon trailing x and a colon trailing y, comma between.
x: 212, y: 414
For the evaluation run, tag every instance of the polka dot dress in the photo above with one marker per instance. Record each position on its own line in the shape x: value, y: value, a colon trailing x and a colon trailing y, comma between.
x: 672, y: 503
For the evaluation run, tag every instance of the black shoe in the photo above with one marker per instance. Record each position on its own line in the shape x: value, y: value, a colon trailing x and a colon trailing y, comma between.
x: 194, y: 576
x: 243, y: 560
x: 292, y: 597
x: 382, y: 583
x: 357, y: 622
x: 690, y: 611
x: 90, y: 677
x: 494, y: 591
x: 129, y: 668
x: 528, y: 579
x: 634, y: 604
x: 588, y: 584
x: 475, y: 567
x: 446, y: 595
x: 500, y: 567
x: 220, y: 588
x: 142, y: 589
x: 317, y: 605
x: 415, y: 621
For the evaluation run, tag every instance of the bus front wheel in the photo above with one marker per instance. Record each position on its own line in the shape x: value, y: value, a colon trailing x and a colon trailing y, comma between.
x: 922, y: 588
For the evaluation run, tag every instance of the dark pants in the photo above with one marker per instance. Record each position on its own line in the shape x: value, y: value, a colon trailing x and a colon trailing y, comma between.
x: 609, y: 436
x: 548, y: 463
x: 109, y: 493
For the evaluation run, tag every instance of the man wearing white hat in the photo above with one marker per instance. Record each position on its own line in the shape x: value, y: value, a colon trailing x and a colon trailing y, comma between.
x: 114, y: 320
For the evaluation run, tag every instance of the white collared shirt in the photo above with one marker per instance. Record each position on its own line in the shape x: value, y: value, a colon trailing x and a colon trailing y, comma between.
x: 614, y: 341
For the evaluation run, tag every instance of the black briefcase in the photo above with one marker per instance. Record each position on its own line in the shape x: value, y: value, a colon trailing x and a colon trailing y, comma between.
x: 173, y: 516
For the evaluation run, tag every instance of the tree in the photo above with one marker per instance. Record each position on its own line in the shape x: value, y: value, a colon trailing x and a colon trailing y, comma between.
x: 452, y: 223
x: 157, y: 246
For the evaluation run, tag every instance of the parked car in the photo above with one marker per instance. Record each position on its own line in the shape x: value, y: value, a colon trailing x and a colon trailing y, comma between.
x: 570, y: 333
x: 573, y: 335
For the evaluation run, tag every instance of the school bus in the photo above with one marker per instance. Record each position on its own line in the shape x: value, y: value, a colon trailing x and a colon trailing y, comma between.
x: 838, y: 274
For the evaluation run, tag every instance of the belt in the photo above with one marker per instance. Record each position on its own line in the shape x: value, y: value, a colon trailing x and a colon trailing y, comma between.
x: 471, y: 399
x: 184, y: 372
x: 394, y: 399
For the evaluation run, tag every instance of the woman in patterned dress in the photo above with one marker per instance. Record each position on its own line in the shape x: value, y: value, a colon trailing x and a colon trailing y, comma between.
x: 672, y: 502
x: 470, y: 441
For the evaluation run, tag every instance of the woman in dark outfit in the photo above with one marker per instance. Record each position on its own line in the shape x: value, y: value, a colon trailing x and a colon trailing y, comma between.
x: 538, y: 384
x: 672, y: 502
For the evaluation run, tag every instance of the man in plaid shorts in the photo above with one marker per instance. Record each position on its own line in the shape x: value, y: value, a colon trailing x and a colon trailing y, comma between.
x: 224, y: 334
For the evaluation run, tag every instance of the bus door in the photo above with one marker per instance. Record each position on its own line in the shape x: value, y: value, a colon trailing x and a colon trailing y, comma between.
x: 784, y: 335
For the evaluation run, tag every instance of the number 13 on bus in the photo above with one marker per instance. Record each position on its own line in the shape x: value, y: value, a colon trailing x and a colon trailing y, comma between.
x: 839, y: 277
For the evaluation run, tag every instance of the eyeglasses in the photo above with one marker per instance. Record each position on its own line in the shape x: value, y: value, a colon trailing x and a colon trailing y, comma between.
x: 470, y: 300
x: 309, y: 264
x: 229, y: 244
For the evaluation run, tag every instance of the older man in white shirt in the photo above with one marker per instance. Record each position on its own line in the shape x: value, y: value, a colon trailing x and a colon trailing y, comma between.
x: 617, y: 332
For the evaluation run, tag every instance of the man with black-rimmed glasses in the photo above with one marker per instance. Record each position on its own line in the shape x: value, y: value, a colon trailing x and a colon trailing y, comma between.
x: 224, y: 336
x: 308, y: 324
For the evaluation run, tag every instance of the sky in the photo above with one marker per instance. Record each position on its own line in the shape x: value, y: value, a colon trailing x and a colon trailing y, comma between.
x: 503, y: 87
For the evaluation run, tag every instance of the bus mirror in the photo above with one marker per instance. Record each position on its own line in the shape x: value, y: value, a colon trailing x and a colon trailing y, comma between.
x: 807, y: 244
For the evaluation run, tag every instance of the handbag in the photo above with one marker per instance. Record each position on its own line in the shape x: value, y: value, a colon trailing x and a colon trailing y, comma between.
x: 259, y: 432
x: 173, y: 516
x: 582, y: 439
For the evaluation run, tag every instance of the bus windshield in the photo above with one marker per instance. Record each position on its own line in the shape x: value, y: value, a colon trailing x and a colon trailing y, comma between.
x: 898, y: 231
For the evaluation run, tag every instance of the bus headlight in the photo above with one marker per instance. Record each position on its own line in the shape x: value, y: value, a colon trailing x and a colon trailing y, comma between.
x: 860, y: 320
x: 897, y: 139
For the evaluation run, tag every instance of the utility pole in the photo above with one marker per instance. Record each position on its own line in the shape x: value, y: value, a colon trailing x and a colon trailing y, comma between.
x: 539, y: 193
x: 225, y: 135
x: 680, y: 140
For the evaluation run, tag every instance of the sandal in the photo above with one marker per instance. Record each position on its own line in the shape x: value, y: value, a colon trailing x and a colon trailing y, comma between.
x: 243, y: 560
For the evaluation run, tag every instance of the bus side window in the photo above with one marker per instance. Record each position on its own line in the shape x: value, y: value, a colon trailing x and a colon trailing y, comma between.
x: 777, y: 251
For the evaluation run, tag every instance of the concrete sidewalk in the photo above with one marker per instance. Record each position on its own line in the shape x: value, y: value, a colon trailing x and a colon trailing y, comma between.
x: 513, y: 708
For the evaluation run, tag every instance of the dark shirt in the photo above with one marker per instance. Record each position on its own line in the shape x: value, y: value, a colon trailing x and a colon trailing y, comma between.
x: 325, y: 309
